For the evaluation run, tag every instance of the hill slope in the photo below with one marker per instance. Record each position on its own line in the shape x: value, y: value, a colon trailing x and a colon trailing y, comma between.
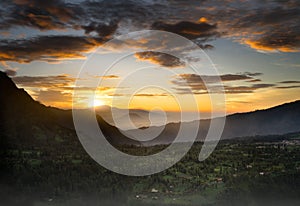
x: 28, y: 122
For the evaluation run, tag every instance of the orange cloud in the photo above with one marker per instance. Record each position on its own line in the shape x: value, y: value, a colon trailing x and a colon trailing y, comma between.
x: 203, y: 20
x: 47, y: 48
x: 44, y: 22
x: 259, y: 46
x: 57, y: 90
x: 54, y: 11
x: 112, y: 76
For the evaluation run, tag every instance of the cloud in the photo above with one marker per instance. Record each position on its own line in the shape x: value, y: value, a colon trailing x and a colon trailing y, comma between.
x: 137, y: 95
x: 288, y: 87
x: 190, y: 30
x: 150, y: 95
x: 227, y: 89
x: 57, y: 90
x: 254, y: 80
x: 253, y: 74
x: 5, y: 34
x: 245, y: 89
x: 11, y: 72
x: 159, y: 58
x: 106, y: 18
x: 267, y: 26
x: 195, y: 78
x: 196, y: 84
x: 58, y: 81
x: 112, y: 76
x: 235, y: 77
x: 47, y: 48
x: 275, y: 43
x: 42, y: 15
x: 50, y: 90
x: 62, y: 82
x: 290, y: 82
x: 206, y: 46
x: 239, y: 102
x: 103, y: 30
x: 54, y: 96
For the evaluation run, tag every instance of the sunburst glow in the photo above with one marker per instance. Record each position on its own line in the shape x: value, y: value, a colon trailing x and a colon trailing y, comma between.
x: 96, y: 103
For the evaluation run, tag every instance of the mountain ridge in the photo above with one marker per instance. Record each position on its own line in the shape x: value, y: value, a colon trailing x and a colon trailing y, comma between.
x: 23, y: 118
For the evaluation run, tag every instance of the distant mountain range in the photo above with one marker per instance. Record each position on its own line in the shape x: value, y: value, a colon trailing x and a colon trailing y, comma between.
x: 143, y: 118
x: 279, y: 120
x: 27, y: 122
x: 139, y: 118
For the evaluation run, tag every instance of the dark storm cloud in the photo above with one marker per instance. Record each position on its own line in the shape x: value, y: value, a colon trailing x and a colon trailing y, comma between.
x: 271, y: 17
x: 190, y: 30
x: 42, y: 15
x: 47, y: 48
x: 271, y: 26
x: 276, y: 41
x: 103, y: 30
x: 263, y: 25
x: 268, y: 26
x: 196, y: 84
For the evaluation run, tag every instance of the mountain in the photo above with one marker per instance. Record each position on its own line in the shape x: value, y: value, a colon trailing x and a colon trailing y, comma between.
x: 27, y: 122
x: 141, y: 118
x: 138, y: 117
x: 278, y: 120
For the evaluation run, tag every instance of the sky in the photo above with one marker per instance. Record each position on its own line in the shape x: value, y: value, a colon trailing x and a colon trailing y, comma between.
x: 248, y: 53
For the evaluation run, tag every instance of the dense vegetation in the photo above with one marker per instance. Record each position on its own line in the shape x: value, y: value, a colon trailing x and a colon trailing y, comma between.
x: 59, y: 172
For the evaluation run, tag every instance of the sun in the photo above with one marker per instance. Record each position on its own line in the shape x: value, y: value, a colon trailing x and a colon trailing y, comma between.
x: 96, y: 103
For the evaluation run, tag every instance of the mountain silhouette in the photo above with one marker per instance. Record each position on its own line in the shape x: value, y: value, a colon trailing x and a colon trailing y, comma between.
x: 28, y: 122
x: 278, y: 120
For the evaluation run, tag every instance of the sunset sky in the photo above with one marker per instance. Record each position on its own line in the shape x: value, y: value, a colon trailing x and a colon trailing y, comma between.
x: 253, y: 44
